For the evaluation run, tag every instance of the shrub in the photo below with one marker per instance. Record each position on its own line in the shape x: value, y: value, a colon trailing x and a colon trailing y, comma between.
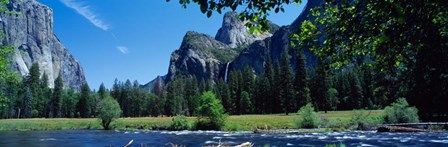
x: 400, y: 112
x: 211, y: 113
x: 108, y: 111
x: 308, y: 117
x: 361, y: 120
x: 336, y: 124
x: 34, y: 113
x: 179, y: 122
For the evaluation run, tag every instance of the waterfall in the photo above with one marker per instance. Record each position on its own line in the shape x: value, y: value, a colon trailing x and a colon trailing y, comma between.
x: 227, y: 70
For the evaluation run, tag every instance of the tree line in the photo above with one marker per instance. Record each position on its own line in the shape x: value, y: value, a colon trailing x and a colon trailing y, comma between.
x: 282, y: 88
x: 31, y: 97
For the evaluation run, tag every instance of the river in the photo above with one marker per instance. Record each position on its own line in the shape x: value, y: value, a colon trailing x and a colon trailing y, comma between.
x: 99, y: 138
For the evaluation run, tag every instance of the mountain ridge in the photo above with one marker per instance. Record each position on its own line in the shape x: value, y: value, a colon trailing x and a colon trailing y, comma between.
x: 251, y: 48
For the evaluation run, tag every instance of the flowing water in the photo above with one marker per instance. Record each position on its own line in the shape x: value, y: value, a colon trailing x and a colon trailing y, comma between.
x: 100, y: 138
x: 227, y: 70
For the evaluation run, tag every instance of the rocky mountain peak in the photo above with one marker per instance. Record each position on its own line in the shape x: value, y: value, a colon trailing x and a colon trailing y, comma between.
x: 234, y: 32
x: 198, y: 41
x: 31, y: 32
x: 200, y: 55
x: 233, y: 48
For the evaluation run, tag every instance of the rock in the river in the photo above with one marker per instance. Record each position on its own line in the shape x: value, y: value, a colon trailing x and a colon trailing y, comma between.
x: 31, y: 32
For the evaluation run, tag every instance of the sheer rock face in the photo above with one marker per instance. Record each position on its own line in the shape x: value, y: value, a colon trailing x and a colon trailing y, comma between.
x: 197, y: 56
x: 30, y: 31
x: 254, y: 55
x: 234, y: 32
x: 206, y: 57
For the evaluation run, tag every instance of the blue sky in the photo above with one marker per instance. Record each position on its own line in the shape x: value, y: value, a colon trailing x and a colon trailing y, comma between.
x: 132, y: 39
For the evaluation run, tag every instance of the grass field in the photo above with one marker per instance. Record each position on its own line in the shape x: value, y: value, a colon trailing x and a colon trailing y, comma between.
x: 234, y: 123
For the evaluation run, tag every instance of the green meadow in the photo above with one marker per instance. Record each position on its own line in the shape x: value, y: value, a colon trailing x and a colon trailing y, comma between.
x: 234, y: 122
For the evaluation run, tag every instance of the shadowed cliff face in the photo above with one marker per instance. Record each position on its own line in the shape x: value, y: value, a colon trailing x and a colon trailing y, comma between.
x: 197, y: 56
x: 254, y: 55
x: 207, y: 57
x: 31, y: 32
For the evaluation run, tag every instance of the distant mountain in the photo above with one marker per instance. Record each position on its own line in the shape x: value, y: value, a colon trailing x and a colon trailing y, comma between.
x: 233, y: 48
x: 235, y: 34
x: 31, y: 32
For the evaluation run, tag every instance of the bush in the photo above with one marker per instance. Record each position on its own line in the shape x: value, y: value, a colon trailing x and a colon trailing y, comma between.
x: 336, y: 124
x: 400, y: 112
x: 34, y: 113
x: 108, y: 111
x: 308, y: 117
x: 179, y: 122
x: 361, y: 120
x: 211, y: 113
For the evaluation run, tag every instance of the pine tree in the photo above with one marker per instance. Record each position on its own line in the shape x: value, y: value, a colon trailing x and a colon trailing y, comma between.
x: 27, y: 102
x: 124, y: 100
x: 174, y: 98
x: 136, y: 100
x: 204, y: 85
x: 248, y: 80
x: 83, y: 103
x: 234, y: 92
x: 57, y: 95
x: 368, y: 87
x: 192, y: 94
x: 155, y: 105
x: 300, y: 81
x: 356, y: 95
x: 102, y: 91
x: 269, y: 77
x: 286, y: 85
x: 116, y: 91
x: 246, y: 103
x: 342, y: 85
x: 261, y: 96
x: 223, y: 93
x: 322, y: 86
x: 44, y: 102
x: 275, y: 98
x: 33, y: 81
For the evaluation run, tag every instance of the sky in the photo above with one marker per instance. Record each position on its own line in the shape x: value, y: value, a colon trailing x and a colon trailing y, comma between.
x: 132, y: 39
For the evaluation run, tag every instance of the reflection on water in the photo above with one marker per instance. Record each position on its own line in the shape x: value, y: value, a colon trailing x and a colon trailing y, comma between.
x: 200, y: 138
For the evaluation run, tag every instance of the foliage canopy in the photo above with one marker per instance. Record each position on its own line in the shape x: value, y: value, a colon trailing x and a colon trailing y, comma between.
x: 108, y: 111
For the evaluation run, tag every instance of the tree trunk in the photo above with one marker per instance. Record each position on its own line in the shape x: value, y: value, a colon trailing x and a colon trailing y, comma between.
x: 106, y: 123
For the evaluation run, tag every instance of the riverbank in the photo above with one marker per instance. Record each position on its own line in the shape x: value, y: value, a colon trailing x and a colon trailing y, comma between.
x: 337, y: 119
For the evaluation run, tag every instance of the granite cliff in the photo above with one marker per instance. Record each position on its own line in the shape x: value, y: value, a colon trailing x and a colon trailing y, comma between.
x: 30, y: 31
x: 207, y: 57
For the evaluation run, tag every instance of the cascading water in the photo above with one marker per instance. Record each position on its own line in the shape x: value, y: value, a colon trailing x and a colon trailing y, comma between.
x: 227, y: 70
